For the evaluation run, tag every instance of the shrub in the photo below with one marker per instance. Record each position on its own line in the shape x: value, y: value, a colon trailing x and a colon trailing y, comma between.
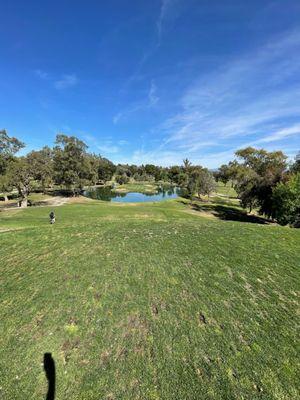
x: 286, y: 201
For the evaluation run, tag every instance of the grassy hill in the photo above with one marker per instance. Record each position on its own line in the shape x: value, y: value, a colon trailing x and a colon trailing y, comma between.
x: 147, y: 301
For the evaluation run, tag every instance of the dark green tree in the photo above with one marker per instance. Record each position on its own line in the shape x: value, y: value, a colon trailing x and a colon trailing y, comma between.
x: 9, y: 146
x: 106, y: 169
x: 20, y: 175
x: 286, y: 201
x: 174, y: 173
x: 152, y: 171
x: 42, y: 166
x: 256, y: 175
x: 223, y: 174
x: 72, y: 167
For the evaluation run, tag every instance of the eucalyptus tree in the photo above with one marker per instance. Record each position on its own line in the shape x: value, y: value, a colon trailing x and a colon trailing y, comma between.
x: 20, y: 175
x: 9, y: 146
x: 71, y: 163
x: 42, y: 166
x: 258, y: 172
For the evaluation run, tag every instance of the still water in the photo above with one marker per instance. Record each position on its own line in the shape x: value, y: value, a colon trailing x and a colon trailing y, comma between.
x: 106, y: 194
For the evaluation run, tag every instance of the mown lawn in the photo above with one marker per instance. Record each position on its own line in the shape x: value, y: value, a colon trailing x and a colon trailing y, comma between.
x: 148, y: 301
x: 227, y: 190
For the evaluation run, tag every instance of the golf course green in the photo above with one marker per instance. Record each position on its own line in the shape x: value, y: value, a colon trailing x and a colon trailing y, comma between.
x: 148, y: 301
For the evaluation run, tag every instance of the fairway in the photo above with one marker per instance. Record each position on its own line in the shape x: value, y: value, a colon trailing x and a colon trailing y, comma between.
x: 147, y: 301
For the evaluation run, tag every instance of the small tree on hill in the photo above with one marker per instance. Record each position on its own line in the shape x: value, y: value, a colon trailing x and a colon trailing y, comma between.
x: 206, y: 183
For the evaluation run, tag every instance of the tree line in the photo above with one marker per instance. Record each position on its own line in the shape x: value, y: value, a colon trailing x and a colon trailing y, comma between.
x: 263, y: 180
x: 70, y: 166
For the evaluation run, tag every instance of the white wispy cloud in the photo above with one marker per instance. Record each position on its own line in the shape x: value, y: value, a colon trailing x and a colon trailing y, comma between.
x: 66, y: 81
x: 106, y: 146
x: 152, y: 96
x: 281, y: 134
x: 127, y: 111
x: 149, y: 101
x: 117, y: 117
x: 164, y: 9
x: 164, y: 13
x: 256, y: 98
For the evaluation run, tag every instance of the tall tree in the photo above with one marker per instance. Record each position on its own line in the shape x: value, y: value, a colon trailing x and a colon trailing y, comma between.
x: 71, y: 164
x: 256, y: 175
x: 206, y: 183
x: 8, y: 147
x: 186, y: 165
x: 106, y: 169
x: 286, y: 201
x: 223, y: 174
x: 153, y: 171
x: 199, y: 180
x: 42, y: 166
x: 20, y: 175
x: 174, y: 173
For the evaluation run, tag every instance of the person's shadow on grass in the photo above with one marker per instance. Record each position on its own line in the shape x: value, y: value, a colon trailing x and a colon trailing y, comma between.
x: 49, y: 367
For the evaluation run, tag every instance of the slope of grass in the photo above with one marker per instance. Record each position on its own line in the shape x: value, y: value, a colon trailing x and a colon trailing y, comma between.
x: 148, y: 301
x: 227, y: 190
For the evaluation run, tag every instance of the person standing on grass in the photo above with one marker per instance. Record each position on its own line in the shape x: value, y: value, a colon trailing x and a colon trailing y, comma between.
x: 52, y: 217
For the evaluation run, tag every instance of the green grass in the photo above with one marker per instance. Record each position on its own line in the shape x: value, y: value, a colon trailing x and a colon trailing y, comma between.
x: 227, y: 190
x: 140, y: 187
x: 148, y: 301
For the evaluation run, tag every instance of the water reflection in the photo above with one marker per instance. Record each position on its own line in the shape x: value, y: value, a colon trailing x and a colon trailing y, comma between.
x: 107, y: 194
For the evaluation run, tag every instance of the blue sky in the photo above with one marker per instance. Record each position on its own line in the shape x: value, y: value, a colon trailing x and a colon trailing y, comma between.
x: 155, y: 81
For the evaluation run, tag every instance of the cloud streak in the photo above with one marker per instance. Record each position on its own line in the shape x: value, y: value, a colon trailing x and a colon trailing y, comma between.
x: 152, y: 95
x: 165, y: 5
x: 145, y: 104
x: 106, y: 146
x: 66, y: 81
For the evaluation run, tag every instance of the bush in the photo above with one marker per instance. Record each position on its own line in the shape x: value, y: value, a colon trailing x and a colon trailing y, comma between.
x: 286, y: 201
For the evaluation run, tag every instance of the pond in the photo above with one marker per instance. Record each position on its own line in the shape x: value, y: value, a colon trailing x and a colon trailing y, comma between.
x: 106, y: 194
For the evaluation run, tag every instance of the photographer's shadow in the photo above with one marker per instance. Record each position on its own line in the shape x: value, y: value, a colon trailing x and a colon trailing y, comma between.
x: 49, y: 367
